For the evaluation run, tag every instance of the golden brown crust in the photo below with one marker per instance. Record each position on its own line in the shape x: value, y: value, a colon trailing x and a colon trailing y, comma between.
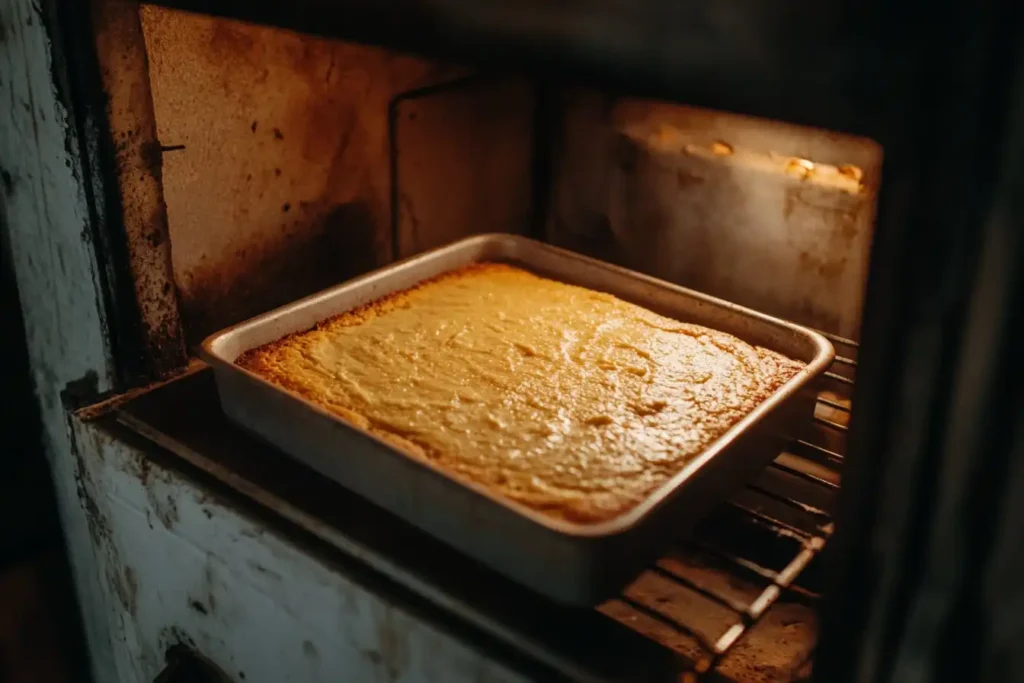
x: 251, y: 358
x: 568, y: 401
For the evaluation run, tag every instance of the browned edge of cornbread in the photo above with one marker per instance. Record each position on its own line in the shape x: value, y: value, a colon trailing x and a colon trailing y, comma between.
x: 250, y: 360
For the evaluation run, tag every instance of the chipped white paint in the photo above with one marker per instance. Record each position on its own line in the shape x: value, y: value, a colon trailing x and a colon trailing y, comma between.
x: 44, y: 214
x: 45, y: 211
x: 179, y: 565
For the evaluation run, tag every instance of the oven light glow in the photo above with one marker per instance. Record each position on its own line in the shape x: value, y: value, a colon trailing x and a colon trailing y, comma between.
x: 851, y: 171
x: 801, y: 168
x: 720, y: 148
x: 668, y: 139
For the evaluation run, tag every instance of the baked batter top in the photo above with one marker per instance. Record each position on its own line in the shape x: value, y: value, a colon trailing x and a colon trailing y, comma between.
x: 567, y: 400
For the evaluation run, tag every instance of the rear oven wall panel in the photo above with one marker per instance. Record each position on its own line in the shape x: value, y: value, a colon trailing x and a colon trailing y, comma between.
x: 276, y: 165
x: 464, y: 162
x: 626, y: 189
x: 179, y: 565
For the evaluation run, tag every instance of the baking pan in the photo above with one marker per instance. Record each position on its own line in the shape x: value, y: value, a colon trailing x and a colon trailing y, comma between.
x: 578, y: 564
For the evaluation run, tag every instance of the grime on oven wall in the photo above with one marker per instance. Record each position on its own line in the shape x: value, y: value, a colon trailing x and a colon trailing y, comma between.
x: 768, y: 215
x: 290, y: 163
x: 277, y: 165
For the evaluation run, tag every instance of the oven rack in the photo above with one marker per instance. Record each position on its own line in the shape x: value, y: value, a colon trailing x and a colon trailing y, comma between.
x: 791, y: 532
x: 715, y: 607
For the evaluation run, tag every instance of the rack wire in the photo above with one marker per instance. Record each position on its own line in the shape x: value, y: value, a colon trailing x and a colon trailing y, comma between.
x: 735, y: 598
x: 707, y: 598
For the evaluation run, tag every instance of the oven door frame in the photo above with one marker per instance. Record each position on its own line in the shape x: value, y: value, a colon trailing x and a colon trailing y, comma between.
x: 924, y: 562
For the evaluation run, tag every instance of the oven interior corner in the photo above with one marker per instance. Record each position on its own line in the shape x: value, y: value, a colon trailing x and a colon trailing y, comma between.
x: 290, y: 162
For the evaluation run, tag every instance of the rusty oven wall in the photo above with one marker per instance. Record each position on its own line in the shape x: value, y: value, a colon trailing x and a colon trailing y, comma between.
x: 276, y: 167
x: 277, y: 176
x: 752, y: 235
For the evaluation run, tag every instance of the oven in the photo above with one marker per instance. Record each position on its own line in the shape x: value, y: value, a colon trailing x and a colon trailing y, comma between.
x: 173, y: 168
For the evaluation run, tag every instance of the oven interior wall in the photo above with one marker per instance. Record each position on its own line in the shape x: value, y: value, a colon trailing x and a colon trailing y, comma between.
x: 277, y: 167
x: 292, y: 163
x: 725, y: 204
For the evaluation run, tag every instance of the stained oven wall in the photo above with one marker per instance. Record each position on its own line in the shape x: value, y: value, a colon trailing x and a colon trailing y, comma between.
x: 715, y: 202
x: 277, y: 167
x: 291, y: 163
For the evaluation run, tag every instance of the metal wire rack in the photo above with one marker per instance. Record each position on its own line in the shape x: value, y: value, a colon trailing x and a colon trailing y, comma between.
x: 734, y: 598
x: 708, y: 598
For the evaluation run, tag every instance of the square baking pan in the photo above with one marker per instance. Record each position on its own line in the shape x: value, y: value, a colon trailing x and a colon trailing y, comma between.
x: 577, y: 564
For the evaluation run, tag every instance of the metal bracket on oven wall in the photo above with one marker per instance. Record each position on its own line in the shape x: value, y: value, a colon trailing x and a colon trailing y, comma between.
x: 466, y: 156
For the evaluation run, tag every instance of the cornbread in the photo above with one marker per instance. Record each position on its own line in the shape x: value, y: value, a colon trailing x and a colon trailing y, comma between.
x: 567, y: 400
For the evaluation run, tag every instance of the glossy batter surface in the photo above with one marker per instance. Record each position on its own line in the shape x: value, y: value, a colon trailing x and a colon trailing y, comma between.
x: 567, y: 400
